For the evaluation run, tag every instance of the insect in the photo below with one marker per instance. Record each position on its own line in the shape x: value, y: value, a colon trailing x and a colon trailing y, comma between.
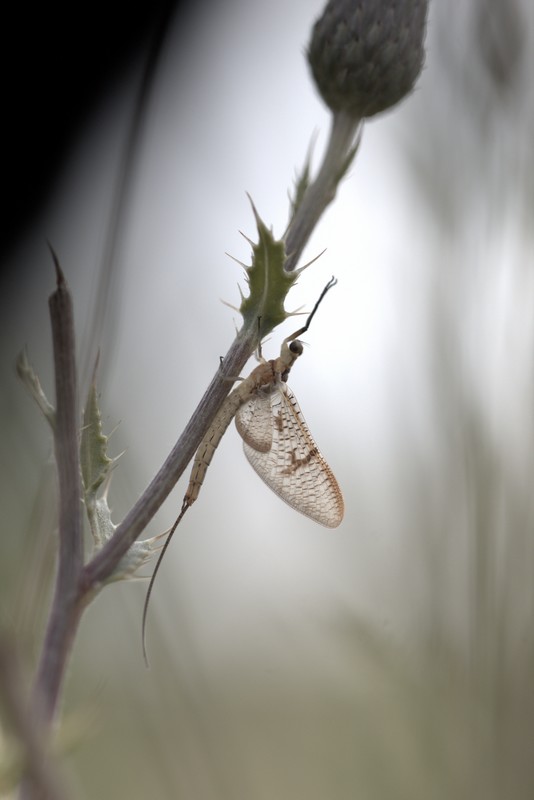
x: 276, y: 440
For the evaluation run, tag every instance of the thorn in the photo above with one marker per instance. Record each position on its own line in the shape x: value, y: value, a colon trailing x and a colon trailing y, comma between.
x: 237, y: 261
x: 225, y: 303
x: 246, y: 238
x: 60, y: 277
x: 254, y: 211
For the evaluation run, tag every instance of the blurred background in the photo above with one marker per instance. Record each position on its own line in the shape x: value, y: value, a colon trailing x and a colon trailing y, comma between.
x: 392, y: 657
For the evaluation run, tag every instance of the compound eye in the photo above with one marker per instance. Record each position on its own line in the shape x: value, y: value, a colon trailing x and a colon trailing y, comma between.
x: 296, y: 347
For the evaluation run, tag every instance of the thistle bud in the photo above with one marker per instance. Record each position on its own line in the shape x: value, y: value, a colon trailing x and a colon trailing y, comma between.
x: 365, y: 55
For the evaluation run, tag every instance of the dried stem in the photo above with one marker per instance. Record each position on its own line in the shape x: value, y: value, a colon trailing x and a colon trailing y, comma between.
x: 66, y: 609
x: 64, y: 613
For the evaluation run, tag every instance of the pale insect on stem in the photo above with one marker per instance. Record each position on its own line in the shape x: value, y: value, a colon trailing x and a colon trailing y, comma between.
x: 276, y: 441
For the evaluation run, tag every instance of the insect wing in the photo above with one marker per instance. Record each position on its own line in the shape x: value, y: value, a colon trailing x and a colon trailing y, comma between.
x: 292, y: 466
x: 254, y: 421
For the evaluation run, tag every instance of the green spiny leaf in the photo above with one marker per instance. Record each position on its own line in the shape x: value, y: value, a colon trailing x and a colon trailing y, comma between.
x: 95, y: 462
x: 96, y: 473
x: 103, y: 528
x: 136, y: 557
x: 31, y: 382
x: 301, y: 184
x: 268, y: 282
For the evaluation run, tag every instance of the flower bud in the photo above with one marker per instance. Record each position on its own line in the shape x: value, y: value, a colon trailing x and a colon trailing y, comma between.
x: 365, y: 55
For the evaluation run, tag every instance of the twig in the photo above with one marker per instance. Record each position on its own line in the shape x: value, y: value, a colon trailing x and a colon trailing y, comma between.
x: 36, y: 761
x: 66, y: 608
x: 64, y: 611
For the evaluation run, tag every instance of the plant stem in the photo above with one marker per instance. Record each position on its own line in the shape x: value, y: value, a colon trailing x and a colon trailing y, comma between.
x: 340, y: 149
x: 70, y: 558
x: 66, y: 608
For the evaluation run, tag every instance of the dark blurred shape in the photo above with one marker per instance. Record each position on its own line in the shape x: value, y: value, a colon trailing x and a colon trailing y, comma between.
x: 499, y: 28
x: 56, y: 63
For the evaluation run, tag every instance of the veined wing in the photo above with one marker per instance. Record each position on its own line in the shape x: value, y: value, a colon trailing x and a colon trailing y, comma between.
x: 280, y: 447
x: 254, y: 421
